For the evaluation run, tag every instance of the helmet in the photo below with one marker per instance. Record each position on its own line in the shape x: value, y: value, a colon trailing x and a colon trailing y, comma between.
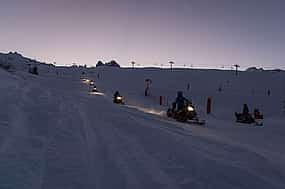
x: 117, y: 93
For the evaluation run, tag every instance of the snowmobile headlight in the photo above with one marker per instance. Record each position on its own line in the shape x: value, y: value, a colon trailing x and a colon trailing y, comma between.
x: 87, y: 80
x: 91, y: 83
x: 190, y: 108
x: 119, y: 98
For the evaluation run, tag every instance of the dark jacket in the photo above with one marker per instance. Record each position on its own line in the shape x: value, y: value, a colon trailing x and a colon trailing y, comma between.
x: 116, y: 94
x: 180, y: 101
x: 245, y: 110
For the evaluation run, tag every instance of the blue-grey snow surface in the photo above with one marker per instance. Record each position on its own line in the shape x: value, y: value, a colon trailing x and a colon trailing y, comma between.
x: 54, y: 134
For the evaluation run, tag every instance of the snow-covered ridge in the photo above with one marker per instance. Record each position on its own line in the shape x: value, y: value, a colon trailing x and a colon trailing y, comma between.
x: 255, y: 69
x: 15, y: 58
x: 17, y: 62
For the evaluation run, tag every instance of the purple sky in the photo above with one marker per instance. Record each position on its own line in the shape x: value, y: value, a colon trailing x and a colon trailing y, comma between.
x: 205, y: 33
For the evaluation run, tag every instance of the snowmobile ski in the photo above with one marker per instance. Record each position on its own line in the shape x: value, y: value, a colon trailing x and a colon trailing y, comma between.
x: 258, y: 123
x: 196, y: 122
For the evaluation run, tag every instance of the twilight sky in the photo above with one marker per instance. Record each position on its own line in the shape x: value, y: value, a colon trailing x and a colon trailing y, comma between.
x: 204, y: 33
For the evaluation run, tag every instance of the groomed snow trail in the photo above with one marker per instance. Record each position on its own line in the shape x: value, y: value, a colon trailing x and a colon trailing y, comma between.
x: 54, y: 135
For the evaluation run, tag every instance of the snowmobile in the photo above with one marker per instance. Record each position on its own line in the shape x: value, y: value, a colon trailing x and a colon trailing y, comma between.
x: 86, y: 81
x: 118, y: 99
x: 246, y: 119
x: 187, y: 114
x: 91, y: 83
x: 94, y: 89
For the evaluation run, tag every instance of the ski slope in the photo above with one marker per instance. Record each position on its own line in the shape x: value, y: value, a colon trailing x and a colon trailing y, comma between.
x: 55, y: 134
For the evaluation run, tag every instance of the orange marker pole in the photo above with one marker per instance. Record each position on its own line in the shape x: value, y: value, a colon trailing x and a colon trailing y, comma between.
x: 160, y: 100
x: 209, y: 105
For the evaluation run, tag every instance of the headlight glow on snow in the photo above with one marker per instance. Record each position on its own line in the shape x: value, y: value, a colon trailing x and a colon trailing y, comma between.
x: 190, y: 109
x: 147, y: 110
x: 97, y: 93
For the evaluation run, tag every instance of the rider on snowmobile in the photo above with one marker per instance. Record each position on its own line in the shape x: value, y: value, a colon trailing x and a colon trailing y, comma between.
x: 245, y: 110
x: 117, y: 97
x: 116, y: 94
x: 94, y: 88
x: 180, y: 101
x: 245, y: 116
x: 183, y: 110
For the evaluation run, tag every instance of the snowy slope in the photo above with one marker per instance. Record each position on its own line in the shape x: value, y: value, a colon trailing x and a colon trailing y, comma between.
x: 54, y: 134
x: 248, y: 87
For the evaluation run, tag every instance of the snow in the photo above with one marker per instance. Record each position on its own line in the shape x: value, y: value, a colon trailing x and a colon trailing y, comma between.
x: 55, y: 133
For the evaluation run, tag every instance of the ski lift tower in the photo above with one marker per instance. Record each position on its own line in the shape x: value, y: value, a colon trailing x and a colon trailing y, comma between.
x: 236, y: 66
x: 171, y: 64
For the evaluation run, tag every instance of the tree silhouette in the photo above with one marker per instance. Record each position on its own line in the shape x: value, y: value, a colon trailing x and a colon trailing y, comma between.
x: 99, y: 63
x: 113, y: 63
